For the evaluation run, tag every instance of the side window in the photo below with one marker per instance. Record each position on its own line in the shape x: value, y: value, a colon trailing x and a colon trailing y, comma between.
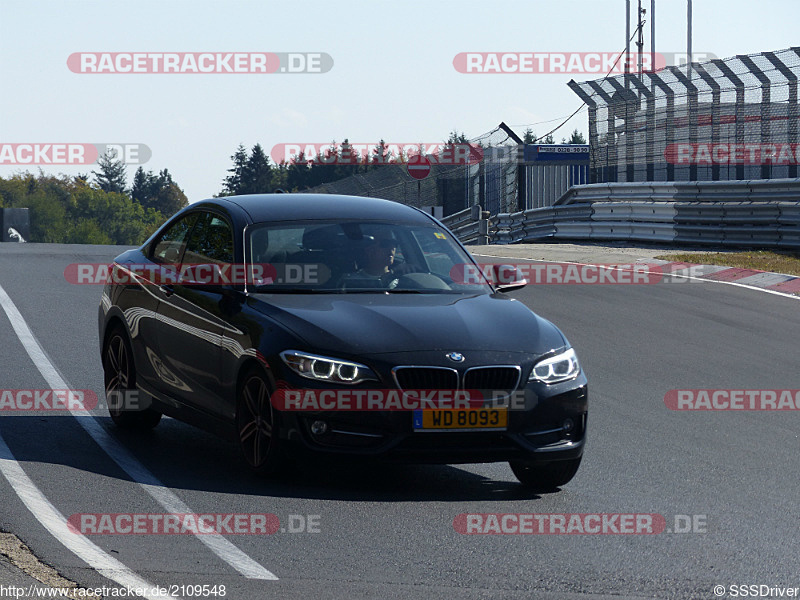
x: 211, y: 241
x: 170, y: 246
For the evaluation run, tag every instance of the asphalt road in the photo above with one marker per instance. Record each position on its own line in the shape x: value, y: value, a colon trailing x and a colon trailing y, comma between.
x: 387, y: 532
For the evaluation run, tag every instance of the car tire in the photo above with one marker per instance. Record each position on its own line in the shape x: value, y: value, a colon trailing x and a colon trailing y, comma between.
x: 545, y: 477
x: 119, y: 375
x: 257, y: 425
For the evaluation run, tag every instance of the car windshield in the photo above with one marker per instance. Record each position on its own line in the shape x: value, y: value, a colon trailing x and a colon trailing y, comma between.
x: 359, y: 257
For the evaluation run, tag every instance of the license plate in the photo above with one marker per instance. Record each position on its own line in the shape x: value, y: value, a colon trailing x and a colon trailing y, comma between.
x: 482, y: 418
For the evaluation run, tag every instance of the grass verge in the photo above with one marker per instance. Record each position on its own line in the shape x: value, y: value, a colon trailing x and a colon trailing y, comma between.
x: 776, y: 261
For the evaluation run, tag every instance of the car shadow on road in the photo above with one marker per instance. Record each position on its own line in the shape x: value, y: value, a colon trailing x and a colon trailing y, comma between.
x: 198, y: 460
x: 183, y: 457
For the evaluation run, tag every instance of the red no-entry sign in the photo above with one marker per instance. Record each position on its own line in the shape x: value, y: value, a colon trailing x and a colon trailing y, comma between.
x: 419, y: 167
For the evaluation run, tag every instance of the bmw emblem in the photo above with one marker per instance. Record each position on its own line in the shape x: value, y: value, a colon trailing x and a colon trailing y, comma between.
x: 456, y: 356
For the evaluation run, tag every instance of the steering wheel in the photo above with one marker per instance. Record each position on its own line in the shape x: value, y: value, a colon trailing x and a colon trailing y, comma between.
x: 422, y: 281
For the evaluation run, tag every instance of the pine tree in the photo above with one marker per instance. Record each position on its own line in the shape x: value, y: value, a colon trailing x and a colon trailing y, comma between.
x: 529, y: 137
x: 577, y: 138
x: 380, y: 154
x: 159, y: 192
x: 297, y: 173
x: 257, y: 177
x: 232, y: 184
x: 140, y: 190
x: 112, y: 176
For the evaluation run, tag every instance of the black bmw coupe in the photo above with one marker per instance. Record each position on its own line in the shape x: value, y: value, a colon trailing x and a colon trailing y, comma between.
x: 300, y: 324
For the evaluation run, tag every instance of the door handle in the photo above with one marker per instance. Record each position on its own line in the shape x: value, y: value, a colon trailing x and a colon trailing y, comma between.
x: 167, y: 289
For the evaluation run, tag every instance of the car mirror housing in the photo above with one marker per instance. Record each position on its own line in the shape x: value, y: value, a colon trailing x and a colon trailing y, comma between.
x: 507, y: 278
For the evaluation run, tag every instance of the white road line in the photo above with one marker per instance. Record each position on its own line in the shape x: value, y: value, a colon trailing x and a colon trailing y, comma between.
x: 218, y: 544
x: 569, y: 262
x: 52, y: 520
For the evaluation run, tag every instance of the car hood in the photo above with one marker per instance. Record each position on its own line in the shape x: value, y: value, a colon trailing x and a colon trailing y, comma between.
x: 362, y: 324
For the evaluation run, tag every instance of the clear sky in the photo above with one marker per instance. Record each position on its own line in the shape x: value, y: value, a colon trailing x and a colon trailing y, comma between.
x: 392, y: 77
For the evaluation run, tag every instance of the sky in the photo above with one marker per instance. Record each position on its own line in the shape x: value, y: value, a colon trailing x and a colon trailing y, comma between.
x: 392, y: 73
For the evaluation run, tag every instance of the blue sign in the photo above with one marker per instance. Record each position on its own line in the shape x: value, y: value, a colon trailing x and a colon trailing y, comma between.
x: 574, y: 153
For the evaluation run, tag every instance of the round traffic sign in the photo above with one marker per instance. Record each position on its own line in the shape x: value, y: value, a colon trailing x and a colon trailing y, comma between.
x: 419, y: 167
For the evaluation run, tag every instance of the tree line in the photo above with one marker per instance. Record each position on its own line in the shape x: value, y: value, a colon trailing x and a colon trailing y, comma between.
x: 575, y: 138
x: 255, y: 173
x: 102, y: 208
x: 98, y: 209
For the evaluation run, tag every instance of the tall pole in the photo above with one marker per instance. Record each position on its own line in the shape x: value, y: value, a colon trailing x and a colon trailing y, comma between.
x: 653, y: 34
x: 652, y: 42
x: 640, y: 40
x: 689, y: 39
x: 627, y: 40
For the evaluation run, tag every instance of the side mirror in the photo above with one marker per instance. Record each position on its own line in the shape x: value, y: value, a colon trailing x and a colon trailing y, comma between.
x: 507, y: 278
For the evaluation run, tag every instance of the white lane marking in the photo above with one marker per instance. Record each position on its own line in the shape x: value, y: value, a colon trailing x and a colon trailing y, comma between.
x: 52, y: 520
x: 218, y: 544
x: 569, y: 262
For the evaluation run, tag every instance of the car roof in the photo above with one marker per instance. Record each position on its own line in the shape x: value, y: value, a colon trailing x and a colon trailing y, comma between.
x: 291, y: 207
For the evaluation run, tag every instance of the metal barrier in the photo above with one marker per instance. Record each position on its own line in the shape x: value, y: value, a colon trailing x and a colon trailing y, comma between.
x: 756, y: 190
x: 754, y: 224
x: 759, y: 213
x: 470, y: 225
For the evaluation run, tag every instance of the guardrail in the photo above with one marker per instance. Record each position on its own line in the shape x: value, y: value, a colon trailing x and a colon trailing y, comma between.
x: 757, y: 213
x: 755, y: 190
x: 471, y: 225
x: 755, y: 224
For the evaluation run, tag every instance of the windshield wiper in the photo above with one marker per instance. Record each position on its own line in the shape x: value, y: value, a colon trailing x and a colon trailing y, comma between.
x: 269, y: 289
x: 398, y: 291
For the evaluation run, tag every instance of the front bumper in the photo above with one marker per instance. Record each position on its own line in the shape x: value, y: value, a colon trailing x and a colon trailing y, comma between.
x: 550, y: 426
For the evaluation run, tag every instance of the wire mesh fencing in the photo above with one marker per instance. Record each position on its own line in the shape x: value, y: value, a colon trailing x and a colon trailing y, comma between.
x: 731, y: 119
x: 488, y: 177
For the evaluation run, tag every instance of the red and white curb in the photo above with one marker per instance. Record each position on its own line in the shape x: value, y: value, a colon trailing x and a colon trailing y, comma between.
x: 773, y: 282
x: 778, y: 284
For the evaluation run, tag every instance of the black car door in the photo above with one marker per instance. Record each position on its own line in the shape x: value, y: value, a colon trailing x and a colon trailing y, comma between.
x: 191, y: 324
x: 140, y: 302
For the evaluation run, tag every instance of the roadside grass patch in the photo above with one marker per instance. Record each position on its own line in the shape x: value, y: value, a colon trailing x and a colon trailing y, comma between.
x: 774, y: 261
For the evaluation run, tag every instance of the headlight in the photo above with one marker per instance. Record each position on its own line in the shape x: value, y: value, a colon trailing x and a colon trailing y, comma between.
x: 557, y: 368
x: 322, y: 368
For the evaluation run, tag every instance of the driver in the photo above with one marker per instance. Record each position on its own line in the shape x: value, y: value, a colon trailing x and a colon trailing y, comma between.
x: 379, y: 256
x: 376, y: 262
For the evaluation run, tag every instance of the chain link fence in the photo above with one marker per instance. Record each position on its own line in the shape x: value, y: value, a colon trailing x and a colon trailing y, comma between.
x: 491, y: 182
x: 731, y: 119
